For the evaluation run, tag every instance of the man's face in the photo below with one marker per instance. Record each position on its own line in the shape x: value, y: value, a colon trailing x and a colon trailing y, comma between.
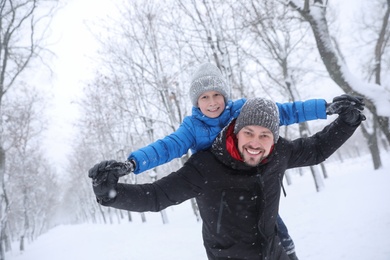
x: 254, y: 143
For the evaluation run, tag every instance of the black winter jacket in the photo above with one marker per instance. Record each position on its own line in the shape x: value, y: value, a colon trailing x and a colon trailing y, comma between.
x: 238, y: 204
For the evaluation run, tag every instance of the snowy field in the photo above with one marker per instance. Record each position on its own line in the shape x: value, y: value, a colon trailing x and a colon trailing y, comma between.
x: 348, y: 220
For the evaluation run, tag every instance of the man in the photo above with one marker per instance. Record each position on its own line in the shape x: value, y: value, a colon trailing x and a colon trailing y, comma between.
x: 236, y: 182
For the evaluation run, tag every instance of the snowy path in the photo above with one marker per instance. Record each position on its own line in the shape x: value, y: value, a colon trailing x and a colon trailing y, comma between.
x: 349, y: 219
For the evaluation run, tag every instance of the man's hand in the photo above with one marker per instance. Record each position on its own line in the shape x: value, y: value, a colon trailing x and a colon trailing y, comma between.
x: 105, y: 176
x: 348, y: 107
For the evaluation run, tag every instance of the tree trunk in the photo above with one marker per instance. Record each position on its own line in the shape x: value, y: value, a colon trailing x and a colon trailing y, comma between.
x: 164, y: 217
x: 373, y: 146
x: 195, y: 209
x: 318, y: 181
x: 332, y: 60
x: 21, y: 244
x: 3, y: 205
x: 194, y: 205
x: 103, y: 214
x: 143, y: 217
x: 288, y: 178
x: 324, y: 172
x: 2, y: 243
x: 110, y: 215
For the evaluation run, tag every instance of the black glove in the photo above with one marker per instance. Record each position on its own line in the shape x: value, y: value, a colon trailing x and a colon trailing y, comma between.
x: 348, y: 107
x: 125, y: 167
x: 105, y: 176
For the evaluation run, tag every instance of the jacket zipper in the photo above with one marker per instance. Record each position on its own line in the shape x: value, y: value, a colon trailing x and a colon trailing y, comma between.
x: 220, y: 212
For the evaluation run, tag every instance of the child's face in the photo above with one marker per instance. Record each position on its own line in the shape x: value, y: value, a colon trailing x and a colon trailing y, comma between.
x: 211, y: 103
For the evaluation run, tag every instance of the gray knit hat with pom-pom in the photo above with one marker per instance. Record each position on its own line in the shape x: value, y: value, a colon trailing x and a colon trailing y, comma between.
x: 261, y: 112
x: 207, y: 78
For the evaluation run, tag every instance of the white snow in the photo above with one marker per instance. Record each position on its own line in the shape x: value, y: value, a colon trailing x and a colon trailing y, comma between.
x: 349, y: 219
x: 379, y: 95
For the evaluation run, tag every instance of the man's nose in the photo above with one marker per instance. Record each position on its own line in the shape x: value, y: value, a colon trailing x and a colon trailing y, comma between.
x: 254, y: 143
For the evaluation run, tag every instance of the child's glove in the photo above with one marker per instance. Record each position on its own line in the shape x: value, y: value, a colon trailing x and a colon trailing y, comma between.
x: 348, y: 107
x: 105, y: 176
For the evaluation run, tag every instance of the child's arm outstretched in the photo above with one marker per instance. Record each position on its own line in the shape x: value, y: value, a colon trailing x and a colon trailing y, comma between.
x: 178, y: 143
x: 301, y: 111
x: 163, y: 150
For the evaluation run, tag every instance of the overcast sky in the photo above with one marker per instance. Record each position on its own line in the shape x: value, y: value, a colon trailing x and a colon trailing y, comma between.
x: 74, y: 45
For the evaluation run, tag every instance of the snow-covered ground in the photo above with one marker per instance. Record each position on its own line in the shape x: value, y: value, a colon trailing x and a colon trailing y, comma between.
x: 349, y: 219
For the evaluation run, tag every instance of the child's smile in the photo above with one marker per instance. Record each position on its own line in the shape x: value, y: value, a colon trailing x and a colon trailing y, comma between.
x: 211, y: 103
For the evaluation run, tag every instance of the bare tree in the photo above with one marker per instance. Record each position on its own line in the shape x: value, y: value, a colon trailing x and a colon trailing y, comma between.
x: 79, y: 203
x: 213, y: 33
x: 29, y: 176
x: 21, y: 41
x: 315, y: 14
x: 100, y: 134
x: 375, y: 33
x: 143, y: 77
x: 278, y: 47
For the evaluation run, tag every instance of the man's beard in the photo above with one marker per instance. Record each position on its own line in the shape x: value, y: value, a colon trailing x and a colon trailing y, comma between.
x: 252, y: 161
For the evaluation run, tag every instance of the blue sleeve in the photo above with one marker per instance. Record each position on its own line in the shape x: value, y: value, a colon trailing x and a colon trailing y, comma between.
x: 301, y: 111
x: 236, y: 108
x: 163, y: 150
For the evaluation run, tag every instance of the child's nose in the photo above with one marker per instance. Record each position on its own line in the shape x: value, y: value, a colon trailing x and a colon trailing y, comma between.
x: 213, y: 100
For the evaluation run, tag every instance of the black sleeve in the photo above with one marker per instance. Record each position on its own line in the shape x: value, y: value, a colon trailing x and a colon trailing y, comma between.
x: 171, y: 190
x: 317, y: 148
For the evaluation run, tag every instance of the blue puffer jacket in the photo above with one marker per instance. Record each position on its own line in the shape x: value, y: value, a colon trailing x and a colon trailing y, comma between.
x: 197, y: 132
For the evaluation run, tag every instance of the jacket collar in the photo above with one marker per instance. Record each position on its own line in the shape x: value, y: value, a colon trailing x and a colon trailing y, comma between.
x: 231, y: 143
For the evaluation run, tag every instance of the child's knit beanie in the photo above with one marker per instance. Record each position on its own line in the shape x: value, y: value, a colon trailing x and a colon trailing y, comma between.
x: 261, y: 112
x: 207, y: 78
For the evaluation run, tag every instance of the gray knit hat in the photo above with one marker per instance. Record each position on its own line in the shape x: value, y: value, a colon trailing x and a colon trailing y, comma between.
x: 261, y: 112
x: 207, y: 78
